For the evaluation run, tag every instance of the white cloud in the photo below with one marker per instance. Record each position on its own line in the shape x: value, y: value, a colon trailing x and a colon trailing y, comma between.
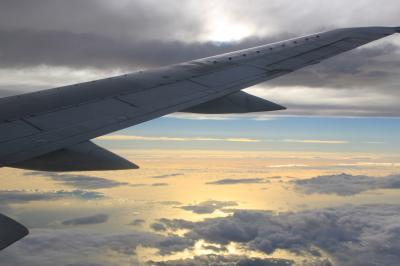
x: 316, y: 141
x: 346, y: 185
x: 347, y: 235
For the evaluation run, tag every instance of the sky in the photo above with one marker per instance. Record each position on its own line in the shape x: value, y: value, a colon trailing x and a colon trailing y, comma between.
x: 316, y: 184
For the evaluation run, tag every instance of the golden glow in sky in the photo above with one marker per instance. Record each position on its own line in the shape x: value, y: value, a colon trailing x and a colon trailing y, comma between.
x: 184, y: 185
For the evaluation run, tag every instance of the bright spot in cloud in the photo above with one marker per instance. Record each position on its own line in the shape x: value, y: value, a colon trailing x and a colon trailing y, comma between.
x: 221, y: 27
x: 225, y: 31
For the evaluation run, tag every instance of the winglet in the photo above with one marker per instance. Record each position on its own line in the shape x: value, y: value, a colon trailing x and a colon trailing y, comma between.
x: 10, y: 231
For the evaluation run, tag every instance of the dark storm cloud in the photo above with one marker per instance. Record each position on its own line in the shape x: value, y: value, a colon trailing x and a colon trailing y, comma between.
x: 346, y: 185
x: 93, y: 219
x: 24, y: 196
x: 233, y: 181
x: 214, y: 260
x: 209, y: 206
x: 351, y: 235
x: 79, y: 181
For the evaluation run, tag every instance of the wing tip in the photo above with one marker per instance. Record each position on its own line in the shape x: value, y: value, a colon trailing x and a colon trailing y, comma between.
x: 277, y: 107
x: 281, y: 107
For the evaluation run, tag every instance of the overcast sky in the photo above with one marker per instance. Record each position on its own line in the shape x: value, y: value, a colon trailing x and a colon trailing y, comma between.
x: 47, y: 43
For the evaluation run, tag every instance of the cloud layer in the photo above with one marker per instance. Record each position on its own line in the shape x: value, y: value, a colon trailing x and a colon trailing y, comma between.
x: 93, y: 219
x: 346, y: 185
x: 79, y: 181
x: 351, y: 235
x: 26, y: 196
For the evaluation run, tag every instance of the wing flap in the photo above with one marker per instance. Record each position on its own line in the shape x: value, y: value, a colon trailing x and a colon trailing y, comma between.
x: 88, y: 115
x: 240, y: 102
x: 163, y: 96
x: 238, y: 74
x: 85, y: 156
x: 16, y: 129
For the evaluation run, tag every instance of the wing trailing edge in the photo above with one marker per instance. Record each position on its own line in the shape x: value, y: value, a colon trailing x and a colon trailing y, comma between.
x: 85, y: 156
x: 10, y: 231
x: 239, y: 102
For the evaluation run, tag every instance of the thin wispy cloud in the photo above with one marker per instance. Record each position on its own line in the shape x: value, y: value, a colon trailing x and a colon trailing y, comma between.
x: 27, y: 196
x: 79, y: 181
x: 237, y: 181
x: 87, y: 220
x: 316, y: 141
x: 166, y: 175
x: 148, y: 138
x: 288, y: 166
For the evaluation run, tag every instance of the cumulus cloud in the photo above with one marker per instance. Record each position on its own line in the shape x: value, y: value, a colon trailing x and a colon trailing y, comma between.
x: 79, y: 181
x: 93, y: 219
x: 346, y: 235
x: 351, y: 235
x: 209, y: 206
x: 236, y: 181
x: 158, y: 227
x: 345, y: 185
x: 137, y: 222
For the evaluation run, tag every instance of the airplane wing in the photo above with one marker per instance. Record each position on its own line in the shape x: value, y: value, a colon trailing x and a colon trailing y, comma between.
x: 52, y: 129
